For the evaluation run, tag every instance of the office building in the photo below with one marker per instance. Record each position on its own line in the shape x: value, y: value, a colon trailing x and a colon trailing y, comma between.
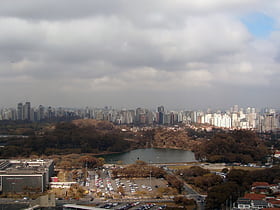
x: 18, y: 176
x: 20, y: 111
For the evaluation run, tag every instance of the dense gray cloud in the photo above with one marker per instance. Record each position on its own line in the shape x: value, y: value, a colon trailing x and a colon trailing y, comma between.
x: 183, y: 54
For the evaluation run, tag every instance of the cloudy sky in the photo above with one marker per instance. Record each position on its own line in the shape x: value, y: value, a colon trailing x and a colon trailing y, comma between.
x: 130, y: 53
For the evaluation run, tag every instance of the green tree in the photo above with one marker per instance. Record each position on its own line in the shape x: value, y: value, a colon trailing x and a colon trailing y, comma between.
x: 221, y: 195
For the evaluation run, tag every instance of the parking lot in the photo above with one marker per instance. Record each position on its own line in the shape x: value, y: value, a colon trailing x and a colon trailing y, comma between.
x: 101, y: 184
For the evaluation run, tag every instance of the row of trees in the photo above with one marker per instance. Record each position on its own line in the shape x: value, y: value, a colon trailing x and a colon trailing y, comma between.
x: 76, y: 161
x: 139, y: 169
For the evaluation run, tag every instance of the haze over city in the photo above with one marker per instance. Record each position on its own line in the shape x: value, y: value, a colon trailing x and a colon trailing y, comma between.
x: 182, y: 54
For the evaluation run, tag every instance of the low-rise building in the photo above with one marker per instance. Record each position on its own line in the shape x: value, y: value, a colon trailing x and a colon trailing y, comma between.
x: 248, y: 204
x: 243, y: 203
x: 17, y: 176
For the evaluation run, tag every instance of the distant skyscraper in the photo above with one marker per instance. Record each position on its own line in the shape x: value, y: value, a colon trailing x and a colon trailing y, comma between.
x: 248, y: 110
x: 27, y: 111
x: 50, y: 113
x: 20, y: 111
x: 160, y: 115
x: 41, y: 113
x: 33, y: 115
x: 235, y: 108
x: 139, y: 112
x: 161, y: 109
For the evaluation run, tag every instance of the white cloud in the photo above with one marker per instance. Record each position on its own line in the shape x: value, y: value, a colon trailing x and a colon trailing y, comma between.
x: 141, y: 46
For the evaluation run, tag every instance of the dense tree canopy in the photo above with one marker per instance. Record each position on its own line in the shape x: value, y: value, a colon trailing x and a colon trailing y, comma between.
x: 200, y: 177
x: 68, y: 138
x: 237, y: 146
x: 139, y: 169
x: 91, y: 162
x: 238, y: 182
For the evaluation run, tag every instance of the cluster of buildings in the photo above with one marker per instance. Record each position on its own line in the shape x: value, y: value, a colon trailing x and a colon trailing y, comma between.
x: 260, y: 197
x: 266, y: 120
x: 236, y: 118
x: 25, y: 112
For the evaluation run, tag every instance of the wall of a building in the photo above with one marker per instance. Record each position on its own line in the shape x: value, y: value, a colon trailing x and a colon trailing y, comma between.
x: 21, y: 183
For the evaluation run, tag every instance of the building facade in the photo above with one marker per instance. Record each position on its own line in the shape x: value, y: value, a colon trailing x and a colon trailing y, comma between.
x: 17, y: 176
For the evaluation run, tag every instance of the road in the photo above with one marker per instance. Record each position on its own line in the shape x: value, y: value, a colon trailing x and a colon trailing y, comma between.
x: 191, y: 193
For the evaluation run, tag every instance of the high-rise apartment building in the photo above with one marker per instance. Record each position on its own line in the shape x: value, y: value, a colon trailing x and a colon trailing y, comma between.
x: 27, y: 111
x: 49, y: 113
x: 160, y: 115
x: 235, y: 108
x: 41, y: 113
x: 20, y: 111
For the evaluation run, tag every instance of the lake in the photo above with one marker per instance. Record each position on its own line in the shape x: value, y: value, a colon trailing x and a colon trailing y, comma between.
x: 152, y: 155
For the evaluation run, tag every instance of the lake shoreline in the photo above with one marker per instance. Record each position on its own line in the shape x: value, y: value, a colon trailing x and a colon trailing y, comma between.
x: 150, y: 155
x: 157, y: 147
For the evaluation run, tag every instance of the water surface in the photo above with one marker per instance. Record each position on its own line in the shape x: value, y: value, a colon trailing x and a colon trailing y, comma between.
x: 151, y: 155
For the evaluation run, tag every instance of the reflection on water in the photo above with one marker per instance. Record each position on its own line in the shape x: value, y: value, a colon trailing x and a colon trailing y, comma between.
x: 152, y: 155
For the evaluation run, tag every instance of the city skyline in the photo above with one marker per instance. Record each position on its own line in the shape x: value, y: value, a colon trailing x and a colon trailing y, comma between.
x: 181, y: 54
x: 158, y: 107
x: 236, y: 117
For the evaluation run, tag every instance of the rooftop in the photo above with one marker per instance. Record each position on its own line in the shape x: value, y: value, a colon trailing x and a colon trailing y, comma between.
x: 244, y: 201
x: 254, y: 196
x: 24, y: 166
x: 260, y: 184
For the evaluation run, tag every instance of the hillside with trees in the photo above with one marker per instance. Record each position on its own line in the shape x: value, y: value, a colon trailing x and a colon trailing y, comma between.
x: 174, y: 139
x: 92, y: 136
x: 236, y: 146
x: 68, y: 137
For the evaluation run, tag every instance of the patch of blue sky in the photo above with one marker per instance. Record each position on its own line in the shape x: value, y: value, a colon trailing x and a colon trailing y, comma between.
x: 259, y: 24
